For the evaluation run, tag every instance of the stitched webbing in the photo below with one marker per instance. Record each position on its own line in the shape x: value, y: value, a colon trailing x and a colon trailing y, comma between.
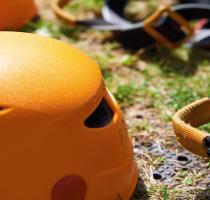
x: 65, y: 16
x: 185, y: 122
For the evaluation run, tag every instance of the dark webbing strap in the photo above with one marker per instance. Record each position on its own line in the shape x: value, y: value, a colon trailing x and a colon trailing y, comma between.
x: 133, y: 35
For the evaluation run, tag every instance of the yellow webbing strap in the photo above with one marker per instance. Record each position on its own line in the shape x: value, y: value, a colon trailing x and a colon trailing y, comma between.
x: 57, y: 6
x: 185, y: 122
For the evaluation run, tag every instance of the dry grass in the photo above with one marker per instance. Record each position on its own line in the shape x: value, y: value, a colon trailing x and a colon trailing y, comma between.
x: 150, y: 86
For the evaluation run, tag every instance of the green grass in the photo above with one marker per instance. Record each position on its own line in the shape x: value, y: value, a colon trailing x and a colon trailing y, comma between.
x: 125, y: 94
x: 160, y: 80
x: 165, y: 80
x: 206, y: 128
x: 43, y: 27
x: 165, y: 193
x: 84, y: 7
x: 166, y: 86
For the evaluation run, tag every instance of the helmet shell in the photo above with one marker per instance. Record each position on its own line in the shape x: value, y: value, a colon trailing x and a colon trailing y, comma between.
x: 16, y: 13
x: 49, y: 89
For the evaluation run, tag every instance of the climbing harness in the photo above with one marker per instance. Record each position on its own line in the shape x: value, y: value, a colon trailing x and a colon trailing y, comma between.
x: 169, y: 25
x: 185, y: 123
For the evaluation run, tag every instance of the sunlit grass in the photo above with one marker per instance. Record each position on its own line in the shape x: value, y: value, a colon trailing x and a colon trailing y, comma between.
x: 159, y: 79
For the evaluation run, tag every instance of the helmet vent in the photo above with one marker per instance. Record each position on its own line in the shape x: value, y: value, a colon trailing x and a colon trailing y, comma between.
x: 2, y: 108
x: 101, y: 117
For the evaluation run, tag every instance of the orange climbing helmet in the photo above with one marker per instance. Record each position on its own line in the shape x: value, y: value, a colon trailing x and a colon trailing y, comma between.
x: 63, y: 136
x: 185, y: 123
x: 16, y: 13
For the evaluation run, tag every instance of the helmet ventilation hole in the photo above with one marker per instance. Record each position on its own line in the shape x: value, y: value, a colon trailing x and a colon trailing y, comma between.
x: 3, y: 108
x: 157, y: 176
x: 101, y: 117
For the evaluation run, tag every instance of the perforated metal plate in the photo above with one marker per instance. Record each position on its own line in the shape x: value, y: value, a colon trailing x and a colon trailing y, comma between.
x: 173, y: 162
